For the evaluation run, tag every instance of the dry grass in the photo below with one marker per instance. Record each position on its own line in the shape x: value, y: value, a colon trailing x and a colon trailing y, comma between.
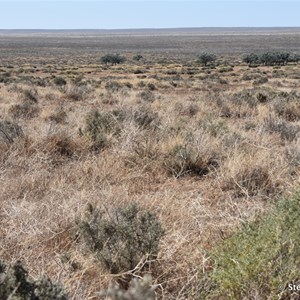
x: 201, y: 154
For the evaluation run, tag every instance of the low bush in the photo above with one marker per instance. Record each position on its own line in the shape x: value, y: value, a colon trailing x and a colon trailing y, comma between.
x: 124, y: 239
x: 99, y: 124
x: 28, y: 109
x: 76, y: 93
x: 59, y: 81
x: 185, y: 160
x: 146, y: 118
x: 147, y: 96
x: 206, y: 58
x: 113, y: 59
x: 15, y: 285
x: 137, y: 57
x: 288, y: 132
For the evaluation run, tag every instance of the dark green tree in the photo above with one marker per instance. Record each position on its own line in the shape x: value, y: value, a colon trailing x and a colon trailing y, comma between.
x: 113, y: 59
x: 206, y: 58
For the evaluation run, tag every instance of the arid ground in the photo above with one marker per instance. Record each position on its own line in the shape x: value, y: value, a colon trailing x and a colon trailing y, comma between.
x: 205, y: 149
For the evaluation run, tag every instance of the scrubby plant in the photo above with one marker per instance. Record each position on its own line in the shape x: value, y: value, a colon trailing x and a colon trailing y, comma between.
x: 58, y: 116
x: 113, y: 59
x: 9, y: 131
x: 206, y: 58
x: 99, y: 124
x: 113, y: 86
x: 59, y: 81
x: 76, y: 93
x: 123, y: 238
x: 28, y: 108
x: 15, y: 285
x: 287, y: 131
x: 30, y: 95
x: 183, y: 159
x: 137, y: 57
x: 261, y: 260
x: 268, y: 58
x: 251, y: 181
x: 147, y: 96
x: 146, y: 118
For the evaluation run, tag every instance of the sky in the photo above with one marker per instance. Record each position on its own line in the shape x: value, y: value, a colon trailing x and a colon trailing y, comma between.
x: 70, y: 14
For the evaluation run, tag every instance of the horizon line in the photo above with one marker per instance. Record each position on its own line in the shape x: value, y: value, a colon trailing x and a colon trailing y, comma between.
x: 153, y: 28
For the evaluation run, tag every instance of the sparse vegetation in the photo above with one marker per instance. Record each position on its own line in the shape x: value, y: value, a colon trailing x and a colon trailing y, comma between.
x: 183, y: 161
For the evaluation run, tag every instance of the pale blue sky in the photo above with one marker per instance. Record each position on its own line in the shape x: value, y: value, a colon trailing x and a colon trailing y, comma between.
x: 54, y: 14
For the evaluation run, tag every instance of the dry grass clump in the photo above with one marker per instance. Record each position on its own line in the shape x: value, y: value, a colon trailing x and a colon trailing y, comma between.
x: 185, y: 160
x: 28, y: 109
x: 76, y: 93
x: 101, y: 127
x: 251, y: 181
x: 9, y: 131
x: 287, y: 131
x: 58, y: 115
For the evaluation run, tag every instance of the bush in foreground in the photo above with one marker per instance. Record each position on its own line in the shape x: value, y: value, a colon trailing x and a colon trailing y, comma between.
x: 123, y: 238
x: 15, y: 285
x: 263, y: 259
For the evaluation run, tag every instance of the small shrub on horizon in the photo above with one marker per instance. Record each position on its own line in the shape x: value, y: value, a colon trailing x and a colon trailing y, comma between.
x: 206, y: 58
x: 113, y: 59
x: 137, y: 57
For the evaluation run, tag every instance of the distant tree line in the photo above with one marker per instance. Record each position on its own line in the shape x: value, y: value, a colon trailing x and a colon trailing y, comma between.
x: 205, y: 58
x: 271, y: 58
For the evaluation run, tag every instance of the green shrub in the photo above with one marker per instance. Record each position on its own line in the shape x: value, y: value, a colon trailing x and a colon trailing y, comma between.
x: 262, y: 259
x: 122, y: 238
x: 15, y: 285
x: 206, y: 58
x: 113, y: 59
